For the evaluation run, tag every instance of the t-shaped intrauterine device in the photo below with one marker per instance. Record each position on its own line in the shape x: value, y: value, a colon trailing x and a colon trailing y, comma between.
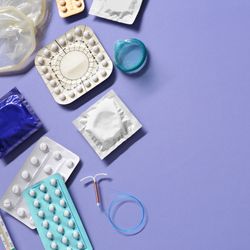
x: 96, y: 187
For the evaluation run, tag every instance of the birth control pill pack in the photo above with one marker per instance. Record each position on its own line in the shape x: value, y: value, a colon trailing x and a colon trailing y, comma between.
x: 47, y: 158
x: 69, y: 7
x: 73, y: 64
x: 107, y: 124
x: 58, y: 223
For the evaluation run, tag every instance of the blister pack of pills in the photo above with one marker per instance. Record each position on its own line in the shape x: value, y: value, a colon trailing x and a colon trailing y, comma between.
x: 57, y: 220
x: 48, y: 157
x: 73, y: 64
x: 69, y: 7
x: 107, y: 124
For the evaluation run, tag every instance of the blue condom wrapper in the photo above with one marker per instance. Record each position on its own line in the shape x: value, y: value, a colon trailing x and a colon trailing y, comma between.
x: 18, y: 121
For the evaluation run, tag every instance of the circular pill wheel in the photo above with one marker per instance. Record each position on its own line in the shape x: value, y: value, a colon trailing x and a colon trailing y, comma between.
x: 17, y: 39
x: 130, y: 55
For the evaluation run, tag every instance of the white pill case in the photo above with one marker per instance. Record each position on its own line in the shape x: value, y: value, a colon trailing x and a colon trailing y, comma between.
x: 123, y: 11
x: 47, y: 158
x: 107, y: 124
x: 73, y: 64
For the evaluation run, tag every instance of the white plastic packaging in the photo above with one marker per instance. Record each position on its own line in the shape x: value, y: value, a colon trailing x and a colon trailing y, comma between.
x: 47, y: 158
x: 33, y: 9
x: 107, y: 124
x: 17, y: 39
x: 73, y: 64
x: 123, y: 11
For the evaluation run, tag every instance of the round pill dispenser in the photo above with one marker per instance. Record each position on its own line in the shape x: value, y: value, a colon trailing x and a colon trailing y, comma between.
x: 130, y: 55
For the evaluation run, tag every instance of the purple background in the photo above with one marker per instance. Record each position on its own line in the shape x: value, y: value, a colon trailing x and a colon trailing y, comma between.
x: 190, y: 164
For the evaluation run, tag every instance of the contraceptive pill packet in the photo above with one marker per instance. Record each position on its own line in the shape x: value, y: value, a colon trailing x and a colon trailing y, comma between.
x: 18, y: 121
x: 73, y: 64
x: 123, y: 11
x: 107, y: 124
x: 47, y: 158
x: 55, y: 215
x: 68, y: 8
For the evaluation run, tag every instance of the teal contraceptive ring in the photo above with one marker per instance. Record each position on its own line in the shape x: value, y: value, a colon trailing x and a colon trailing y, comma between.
x: 130, y: 55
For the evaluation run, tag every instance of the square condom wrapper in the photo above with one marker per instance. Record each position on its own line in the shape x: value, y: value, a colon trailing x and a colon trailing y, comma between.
x: 107, y: 124
x: 17, y: 121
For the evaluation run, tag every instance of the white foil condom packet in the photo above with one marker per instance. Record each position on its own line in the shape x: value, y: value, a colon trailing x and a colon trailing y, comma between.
x: 107, y: 124
x: 33, y: 9
x: 47, y: 158
x: 123, y: 11
x: 17, y: 39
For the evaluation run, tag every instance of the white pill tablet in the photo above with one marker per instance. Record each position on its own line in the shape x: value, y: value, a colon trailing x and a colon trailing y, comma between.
x: 49, y: 235
x: 70, y: 164
x: 56, y: 219
x: 86, y: 34
x: 52, y: 208
x: 36, y: 203
x: 44, y: 69
x: 34, y: 161
x: 53, y: 245
x: 91, y: 42
x: 47, y: 197
x: 76, y: 235
x: 71, y: 223
x: 32, y: 193
x: 104, y: 63
x: 95, y: 78
x: 48, y: 170
x: 32, y: 221
x: 47, y: 53
x: 41, y: 214
x: 103, y: 72
x: 60, y: 229
x: 54, y: 47
x: 80, y: 245
x: 100, y: 57
x: 46, y: 224
x: 78, y: 31
x: 7, y: 204
x: 21, y: 212
x: 53, y: 182
x: 40, y: 60
x: 52, y: 83
x: 58, y: 192
x: 62, y: 42
x: 70, y: 37
x: 44, y: 146
x: 96, y: 49
x: 79, y: 89
x: 62, y: 203
x: 25, y: 175
x: 16, y: 189
x: 57, y: 155
x: 66, y: 213
x: 65, y: 240
x: 43, y: 188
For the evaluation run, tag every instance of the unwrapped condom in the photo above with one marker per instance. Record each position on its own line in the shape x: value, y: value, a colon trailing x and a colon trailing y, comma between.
x: 17, y: 39
x: 33, y: 9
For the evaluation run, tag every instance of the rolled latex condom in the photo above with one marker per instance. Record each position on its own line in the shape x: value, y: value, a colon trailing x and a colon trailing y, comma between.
x: 130, y: 55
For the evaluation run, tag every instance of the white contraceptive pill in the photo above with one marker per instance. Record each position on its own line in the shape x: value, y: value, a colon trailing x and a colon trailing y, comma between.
x: 68, y: 8
x: 47, y: 158
x: 107, y: 124
x: 73, y: 64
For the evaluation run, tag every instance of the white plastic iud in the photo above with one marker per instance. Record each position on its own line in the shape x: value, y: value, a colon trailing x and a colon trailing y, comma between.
x: 123, y: 11
x: 47, y: 158
x: 96, y: 186
x: 69, y: 7
x: 73, y: 64
x: 107, y: 124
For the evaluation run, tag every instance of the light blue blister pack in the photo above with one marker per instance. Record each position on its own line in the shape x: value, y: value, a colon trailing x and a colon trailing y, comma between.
x: 56, y: 218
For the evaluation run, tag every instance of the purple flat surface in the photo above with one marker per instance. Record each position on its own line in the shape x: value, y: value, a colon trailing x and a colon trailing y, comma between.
x: 191, y: 164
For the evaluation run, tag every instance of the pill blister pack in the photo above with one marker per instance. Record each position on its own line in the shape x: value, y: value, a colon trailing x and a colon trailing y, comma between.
x: 69, y: 7
x: 73, y: 64
x: 58, y: 223
x: 47, y: 158
x: 107, y: 124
